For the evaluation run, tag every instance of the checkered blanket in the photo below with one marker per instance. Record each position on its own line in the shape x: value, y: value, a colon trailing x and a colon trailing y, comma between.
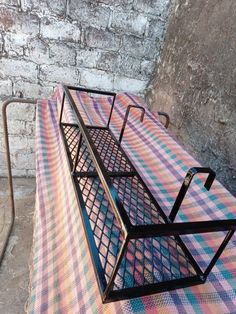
x: 62, y: 276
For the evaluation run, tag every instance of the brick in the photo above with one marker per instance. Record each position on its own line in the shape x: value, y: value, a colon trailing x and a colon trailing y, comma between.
x: 30, y: 129
x: 16, y: 68
x: 88, y: 57
x: 147, y: 68
x: 60, y: 30
x: 108, y: 61
x: 5, y: 87
x: 24, y: 161
x: 102, y: 39
x: 38, y: 51
x: 120, y: 3
x: 10, y: 2
x: 141, y: 48
x: 23, y: 112
x: 129, y: 84
x: 15, y: 172
x: 18, y: 143
x: 3, y: 167
x: 156, y: 28
x: 89, y: 13
x: 1, y: 43
x: 2, y: 145
x: 155, y: 7
x: 35, y: 5
x: 96, y: 79
x: 128, y: 22
x: 30, y: 173
x: 14, y: 44
x: 32, y: 90
x: 62, y: 54
x: 129, y: 66
x: 19, y: 172
x: 6, y: 18
x: 31, y: 143
x: 44, y: 7
x: 18, y: 22
x: 55, y: 74
x: 58, y: 7
x: 16, y: 127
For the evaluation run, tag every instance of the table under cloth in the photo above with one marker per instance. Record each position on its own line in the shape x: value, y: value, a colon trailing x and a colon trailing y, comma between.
x: 62, y: 275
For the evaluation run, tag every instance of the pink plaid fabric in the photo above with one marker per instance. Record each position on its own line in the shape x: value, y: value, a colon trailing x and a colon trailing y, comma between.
x: 62, y: 276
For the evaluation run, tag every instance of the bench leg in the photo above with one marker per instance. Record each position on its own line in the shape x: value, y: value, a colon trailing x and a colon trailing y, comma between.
x: 8, y: 160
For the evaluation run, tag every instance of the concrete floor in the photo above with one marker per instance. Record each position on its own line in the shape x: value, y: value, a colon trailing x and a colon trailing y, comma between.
x: 14, y: 271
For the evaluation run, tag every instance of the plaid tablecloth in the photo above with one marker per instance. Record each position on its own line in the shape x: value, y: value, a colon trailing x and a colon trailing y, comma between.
x: 62, y: 276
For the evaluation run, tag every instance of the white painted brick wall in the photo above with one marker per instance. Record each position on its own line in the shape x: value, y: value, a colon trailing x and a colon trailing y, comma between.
x: 97, y: 79
x: 106, y: 44
x: 61, y: 30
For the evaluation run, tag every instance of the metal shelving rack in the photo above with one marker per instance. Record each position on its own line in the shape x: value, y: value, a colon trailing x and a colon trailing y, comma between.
x: 136, y: 249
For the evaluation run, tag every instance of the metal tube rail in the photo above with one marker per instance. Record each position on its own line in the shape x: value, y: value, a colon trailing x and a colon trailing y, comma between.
x: 164, y: 114
x: 99, y: 92
x: 181, y: 228
x: 8, y: 160
x: 185, y: 186
x: 218, y: 253
x: 126, y: 118
x: 119, y: 211
x: 92, y: 91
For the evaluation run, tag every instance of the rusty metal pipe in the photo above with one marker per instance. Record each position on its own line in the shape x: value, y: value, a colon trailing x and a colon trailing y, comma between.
x: 164, y: 114
x: 8, y: 160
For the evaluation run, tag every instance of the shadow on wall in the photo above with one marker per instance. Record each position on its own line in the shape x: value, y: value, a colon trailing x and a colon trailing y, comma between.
x: 195, y: 82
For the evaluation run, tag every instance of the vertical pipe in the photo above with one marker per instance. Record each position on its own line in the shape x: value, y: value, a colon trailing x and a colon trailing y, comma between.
x: 62, y: 107
x: 8, y: 160
x: 185, y: 186
x: 112, y: 107
x: 126, y: 119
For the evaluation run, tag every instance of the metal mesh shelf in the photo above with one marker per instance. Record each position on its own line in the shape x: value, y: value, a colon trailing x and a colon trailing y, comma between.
x: 109, y: 151
x: 135, y: 248
x: 152, y: 260
x: 103, y: 222
x: 138, y: 205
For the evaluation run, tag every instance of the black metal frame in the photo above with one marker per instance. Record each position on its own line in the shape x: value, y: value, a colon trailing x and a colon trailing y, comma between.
x: 129, y: 232
x: 126, y: 118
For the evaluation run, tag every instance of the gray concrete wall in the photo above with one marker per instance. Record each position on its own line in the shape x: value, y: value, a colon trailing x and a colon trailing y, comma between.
x: 195, y: 82
x: 104, y: 44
